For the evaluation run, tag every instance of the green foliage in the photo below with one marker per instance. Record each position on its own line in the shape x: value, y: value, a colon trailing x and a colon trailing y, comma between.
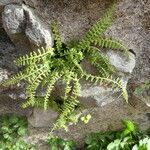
x: 86, y: 118
x: 12, y: 128
x: 56, y: 143
x: 62, y: 63
x: 128, y: 139
x: 143, y: 87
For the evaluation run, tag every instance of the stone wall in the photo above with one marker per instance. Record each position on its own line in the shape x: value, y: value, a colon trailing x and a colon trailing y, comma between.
x: 24, y: 25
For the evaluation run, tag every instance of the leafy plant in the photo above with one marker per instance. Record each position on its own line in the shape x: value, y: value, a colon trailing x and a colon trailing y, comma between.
x: 12, y: 128
x: 46, y: 66
x: 128, y: 139
x: 86, y: 118
x: 143, y: 87
x: 56, y: 143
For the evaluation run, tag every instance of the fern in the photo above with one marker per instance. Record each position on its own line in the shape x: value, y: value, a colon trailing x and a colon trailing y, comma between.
x: 62, y: 63
x: 56, y: 37
x: 70, y: 102
x: 101, y: 62
x: 110, y: 43
x: 115, y: 84
x: 53, y: 79
x: 34, y: 57
x: 97, y: 29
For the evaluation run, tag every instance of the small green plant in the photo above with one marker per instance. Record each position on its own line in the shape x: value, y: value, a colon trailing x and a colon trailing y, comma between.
x: 128, y: 139
x: 63, y: 63
x: 86, y: 118
x: 57, y: 143
x: 12, y: 128
x: 143, y: 87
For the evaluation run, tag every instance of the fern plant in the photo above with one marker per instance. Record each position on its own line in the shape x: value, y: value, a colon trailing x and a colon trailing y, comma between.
x: 46, y: 66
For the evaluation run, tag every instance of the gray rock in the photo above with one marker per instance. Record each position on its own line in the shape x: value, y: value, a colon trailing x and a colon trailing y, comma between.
x: 6, y: 2
x: 37, y: 32
x: 8, y: 105
x: 3, y: 75
x: 106, y: 118
x: 13, y: 19
x: 121, y: 62
x: 41, y: 118
x: 3, y: 3
x: 25, y: 29
x: 95, y: 95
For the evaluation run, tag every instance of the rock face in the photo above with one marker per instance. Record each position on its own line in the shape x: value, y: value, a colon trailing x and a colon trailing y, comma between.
x: 27, y: 28
x: 95, y: 95
x: 41, y: 118
x: 36, y: 31
x: 3, y: 75
x: 13, y: 19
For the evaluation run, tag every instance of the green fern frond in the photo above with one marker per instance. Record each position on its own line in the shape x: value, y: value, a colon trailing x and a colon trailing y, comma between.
x: 67, y: 81
x: 39, y: 103
x: 53, y: 78
x: 98, y: 29
x: 35, y: 81
x: 19, y: 76
x: 69, y: 105
x: 56, y: 35
x: 111, y: 44
x: 27, y: 74
x: 115, y: 84
x: 99, y: 60
x: 34, y: 57
x: 30, y: 91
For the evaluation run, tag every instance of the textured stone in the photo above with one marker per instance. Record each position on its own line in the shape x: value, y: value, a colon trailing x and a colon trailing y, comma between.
x: 95, y: 95
x: 13, y: 19
x: 106, y: 118
x: 37, y: 32
x: 121, y: 62
x: 41, y: 118
x: 25, y: 29
x: 7, y: 51
x: 3, y: 3
x: 3, y: 75
x: 14, y: 24
x: 8, y: 106
x: 6, y: 2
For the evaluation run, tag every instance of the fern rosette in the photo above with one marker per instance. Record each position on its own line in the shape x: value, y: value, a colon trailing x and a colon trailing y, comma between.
x: 48, y: 65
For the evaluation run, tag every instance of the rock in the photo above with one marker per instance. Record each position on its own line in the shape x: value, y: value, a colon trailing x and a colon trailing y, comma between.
x: 131, y: 27
x: 106, y: 118
x: 25, y: 29
x: 121, y: 62
x: 13, y: 19
x: 6, y: 2
x: 37, y: 32
x: 8, y: 106
x: 95, y: 95
x: 14, y: 24
x: 41, y: 118
x: 3, y: 3
x: 3, y: 75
